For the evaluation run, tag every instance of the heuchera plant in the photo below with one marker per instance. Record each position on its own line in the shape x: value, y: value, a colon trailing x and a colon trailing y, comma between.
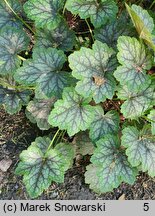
x: 95, y: 86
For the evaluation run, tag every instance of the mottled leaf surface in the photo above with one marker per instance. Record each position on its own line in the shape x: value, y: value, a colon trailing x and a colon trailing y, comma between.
x: 40, y: 166
x: 13, y: 99
x: 98, y: 11
x: 12, y: 42
x: 103, y: 124
x: 44, y: 71
x: 45, y: 13
x: 62, y: 38
x: 135, y: 60
x: 94, y: 67
x: 39, y: 110
x: 136, y: 103
x: 140, y: 148
x: 113, y: 167
x: 73, y: 113
x: 6, y: 15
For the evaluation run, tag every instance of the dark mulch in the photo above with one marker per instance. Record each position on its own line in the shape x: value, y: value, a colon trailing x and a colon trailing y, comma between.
x: 16, y: 134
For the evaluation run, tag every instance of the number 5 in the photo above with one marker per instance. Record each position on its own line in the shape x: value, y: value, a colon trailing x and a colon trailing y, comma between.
x: 146, y: 207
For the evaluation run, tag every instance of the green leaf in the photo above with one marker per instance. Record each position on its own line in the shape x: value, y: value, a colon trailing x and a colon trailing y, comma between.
x: 98, y: 11
x: 7, y: 18
x: 83, y: 144
x: 140, y: 148
x: 110, y: 31
x: 151, y: 117
x: 143, y: 23
x: 104, y: 124
x: 67, y: 151
x: 135, y: 60
x: 112, y: 165
x: 62, y: 38
x: 92, y: 178
x: 40, y: 166
x: 72, y: 113
x: 94, y: 67
x: 39, y: 110
x: 136, y: 103
x: 13, y: 99
x: 45, y: 13
x: 12, y: 42
x: 44, y: 71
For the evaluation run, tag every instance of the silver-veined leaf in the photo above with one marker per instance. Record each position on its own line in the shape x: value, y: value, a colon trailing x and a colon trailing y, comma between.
x: 45, y: 13
x: 112, y: 165
x: 104, y: 124
x: 7, y: 18
x: 44, y: 71
x: 40, y: 165
x: 135, y: 60
x: 12, y: 42
x: 62, y: 38
x: 136, y: 103
x: 140, y: 148
x: 112, y: 30
x: 13, y: 100
x: 98, y: 11
x: 94, y: 67
x: 73, y: 113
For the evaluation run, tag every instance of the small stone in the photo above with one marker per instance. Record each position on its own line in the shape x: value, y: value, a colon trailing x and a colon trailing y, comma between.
x: 5, y: 164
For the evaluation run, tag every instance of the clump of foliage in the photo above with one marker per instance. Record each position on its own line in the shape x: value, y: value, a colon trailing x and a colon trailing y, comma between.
x: 94, y: 83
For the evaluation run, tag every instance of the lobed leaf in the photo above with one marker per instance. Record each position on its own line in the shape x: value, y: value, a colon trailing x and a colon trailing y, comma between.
x: 12, y: 42
x: 13, y: 99
x: 62, y: 38
x: 98, y: 11
x: 135, y: 60
x: 44, y: 71
x: 7, y: 18
x: 136, y: 103
x: 40, y: 166
x: 94, y: 67
x: 112, y: 164
x: 103, y: 124
x: 112, y: 30
x: 45, y: 13
x: 73, y: 113
x: 140, y: 148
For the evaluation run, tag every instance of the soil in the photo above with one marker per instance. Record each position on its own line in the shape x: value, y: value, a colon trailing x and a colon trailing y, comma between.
x: 16, y: 134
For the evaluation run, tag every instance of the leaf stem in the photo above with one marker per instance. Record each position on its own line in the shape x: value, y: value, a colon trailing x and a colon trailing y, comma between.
x: 63, y: 12
x: 5, y: 84
x: 22, y: 58
x: 18, y: 17
x: 55, y: 135
x: 148, y: 119
x: 152, y: 4
x: 90, y: 30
